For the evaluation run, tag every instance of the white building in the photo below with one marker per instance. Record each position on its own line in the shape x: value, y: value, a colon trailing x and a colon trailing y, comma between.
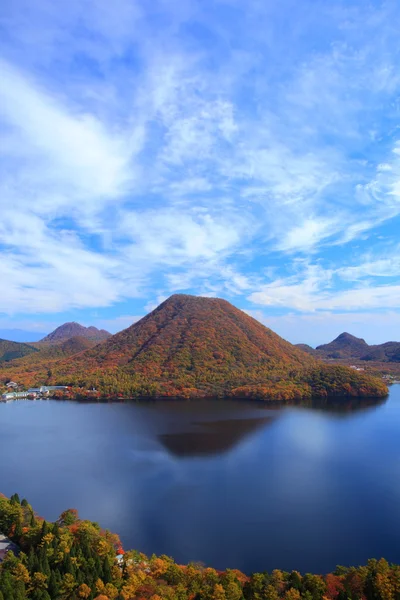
x: 6, y: 545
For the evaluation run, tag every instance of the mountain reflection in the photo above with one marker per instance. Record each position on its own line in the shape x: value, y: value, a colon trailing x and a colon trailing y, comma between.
x: 343, y: 405
x: 211, y: 437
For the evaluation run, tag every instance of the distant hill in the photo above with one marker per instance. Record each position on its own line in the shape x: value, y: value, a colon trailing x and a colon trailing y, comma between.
x: 62, y: 349
x: 70, y: 330
x: 348, y: 347
x: 388, y: 352
x: 194, y: 346
x: 306, y: 348
x: 344, y: 346
x: 24, y: 364
x: 12, y: 350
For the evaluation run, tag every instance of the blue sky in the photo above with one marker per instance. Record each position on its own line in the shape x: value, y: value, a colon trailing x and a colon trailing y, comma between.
x: 246, y: 150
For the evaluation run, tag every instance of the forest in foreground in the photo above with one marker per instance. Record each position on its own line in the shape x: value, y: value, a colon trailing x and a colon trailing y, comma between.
x: 74, y: 559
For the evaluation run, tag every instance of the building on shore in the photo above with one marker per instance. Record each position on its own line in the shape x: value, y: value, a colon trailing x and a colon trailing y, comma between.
x: 9, y: 396
x: 39, y: 392
x: 6, y: 546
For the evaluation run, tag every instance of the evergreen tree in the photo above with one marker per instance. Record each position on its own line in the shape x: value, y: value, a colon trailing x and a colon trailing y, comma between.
x: 44, y: 563
x: 19, y: 591
x: 6, y: 586
x: 106, y: 570
x: 45, y: 529
x: 31, y: 560
x: 53, y: 586
x: 18, y: 530
x: 32, y: 522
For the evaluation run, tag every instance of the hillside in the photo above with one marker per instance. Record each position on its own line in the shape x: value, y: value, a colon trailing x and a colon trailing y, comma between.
x: 348, y: 347
x: 73, y: 330
x: 41, y: 359
x: 73, y: 558
x: 12, y: 350
x: 388, y: 352
x: 344, y: 346
x: 32, y: 363
x: 193, y: 346
x: 306, y: 348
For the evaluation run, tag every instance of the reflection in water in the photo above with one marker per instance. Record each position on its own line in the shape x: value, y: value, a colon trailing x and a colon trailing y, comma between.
x: 342, y: 405
x: 229, y: 483
x: 204, y: 437
x: 214, y: 437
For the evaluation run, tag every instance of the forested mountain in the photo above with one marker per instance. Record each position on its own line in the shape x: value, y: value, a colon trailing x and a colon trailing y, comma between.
x: 194, y: 346
x: 73, y: 559
x: 40, y: 358
x: 11, y: 350
x: 388, y: 352
x: 69, y: 330
x: 344, y: 346
x: 306, y: 348
x: 347, y: 346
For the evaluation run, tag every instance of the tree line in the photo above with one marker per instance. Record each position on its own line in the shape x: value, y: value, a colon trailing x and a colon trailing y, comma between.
x: 73, y: 559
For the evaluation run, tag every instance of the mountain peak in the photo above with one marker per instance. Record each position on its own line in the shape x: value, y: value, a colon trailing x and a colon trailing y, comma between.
x: 73, y: 329
x: 201, y: 346
x: 344, y: 346
x: 347, y: 337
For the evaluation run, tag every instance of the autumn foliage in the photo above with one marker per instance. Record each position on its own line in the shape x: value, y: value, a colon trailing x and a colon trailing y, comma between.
x: 194, y: 347
x: 73, y: 559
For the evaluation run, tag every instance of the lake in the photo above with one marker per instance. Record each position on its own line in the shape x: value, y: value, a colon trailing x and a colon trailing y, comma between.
x: 230, y: 484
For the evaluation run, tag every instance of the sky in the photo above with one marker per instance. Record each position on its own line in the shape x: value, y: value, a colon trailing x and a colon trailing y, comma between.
x: 244, y: 150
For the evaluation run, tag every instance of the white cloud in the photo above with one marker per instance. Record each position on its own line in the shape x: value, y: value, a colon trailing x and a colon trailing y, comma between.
x: 313, y: 289
x: 142, y: 158
x: 320, y: 328
x: 70, y: 150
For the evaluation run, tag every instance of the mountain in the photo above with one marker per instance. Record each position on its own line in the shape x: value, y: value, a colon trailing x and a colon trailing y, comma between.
x: 306, y: 348
x: 12, y: 350
x: 194, y: 346
x: 349, y: 347
x: 344, y: 346
x: 62, y: 349
x: 39, y: 359
x: 388, y: 352
x: 69, y: 330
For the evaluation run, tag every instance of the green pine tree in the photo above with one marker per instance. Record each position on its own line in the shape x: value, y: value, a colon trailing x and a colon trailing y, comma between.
x: 106, y: 570
x: 45, y: 529
x: 53, y: 585
x: 18, y: 530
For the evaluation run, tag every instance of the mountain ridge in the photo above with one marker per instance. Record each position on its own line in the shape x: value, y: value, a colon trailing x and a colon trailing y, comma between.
x: 347, y: 346
x: 199, y: 346
x: 74, y: 329
x: 192, y: 346
x: 12, y: 350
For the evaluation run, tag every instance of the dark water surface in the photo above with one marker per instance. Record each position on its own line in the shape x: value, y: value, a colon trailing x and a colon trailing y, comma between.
x: 228, y: 483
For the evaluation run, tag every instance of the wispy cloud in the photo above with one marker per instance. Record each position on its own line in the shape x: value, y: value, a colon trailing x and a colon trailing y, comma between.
x: 150, y: 148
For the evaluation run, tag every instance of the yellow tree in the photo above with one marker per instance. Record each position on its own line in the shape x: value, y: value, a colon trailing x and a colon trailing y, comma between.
x: 84, y: 591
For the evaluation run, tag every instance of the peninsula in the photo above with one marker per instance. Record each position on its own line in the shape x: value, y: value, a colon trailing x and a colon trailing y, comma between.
x: 192, y: 347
